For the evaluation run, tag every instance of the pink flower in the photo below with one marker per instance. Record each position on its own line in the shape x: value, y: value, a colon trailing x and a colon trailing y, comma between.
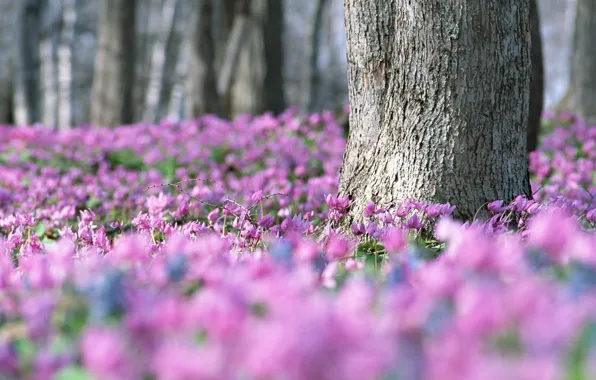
x: 177, y: 361
x: 414, y: 222
x: 106, y: 354
x: 370, y: 209
x: 395, y: 240
x: 337, y: 247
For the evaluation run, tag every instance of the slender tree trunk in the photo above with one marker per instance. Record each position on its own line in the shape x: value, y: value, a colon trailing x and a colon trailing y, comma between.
x: 202, y: 96
x: 439, y: 100
x: 224, y: 12
x: 583, y: 62
x: 273, y: 25
x: 65, y: 67
x: 537, y: 89
x: 112, y: 102
x: 48, y: 52
x: 158, y: 60
x: 238, y: 38
x: 8, y: 13
x: 26, y: 69
x: 311, y: 72
x: 258, y: 82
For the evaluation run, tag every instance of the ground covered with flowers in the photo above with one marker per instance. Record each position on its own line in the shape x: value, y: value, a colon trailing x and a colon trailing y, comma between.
x: 207, y: 249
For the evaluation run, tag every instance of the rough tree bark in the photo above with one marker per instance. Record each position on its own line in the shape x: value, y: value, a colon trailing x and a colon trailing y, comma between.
x: 311, y: 72
x: 439, y: 100
x: 113, y: 80
x: 537, y: 89
x: 582, y: 86
x: 202, y: 96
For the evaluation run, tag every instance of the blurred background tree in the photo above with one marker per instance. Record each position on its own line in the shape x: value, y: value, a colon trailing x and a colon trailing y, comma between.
x: 191, y: 57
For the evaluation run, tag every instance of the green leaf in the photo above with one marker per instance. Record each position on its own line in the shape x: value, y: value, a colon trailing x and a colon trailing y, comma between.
x: 93, y: 203
x: 579, y: 352
x: 218, y: 154
x: 40, y: 229
x: 167, y: 168
x: 126, y: 158
x: 73, y: 372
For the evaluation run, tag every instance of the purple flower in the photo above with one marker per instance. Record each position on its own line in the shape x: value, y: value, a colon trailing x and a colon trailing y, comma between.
x: 370, y: 209
x: 414, y: 222
x: 394, y: 240
x: 266, y: 221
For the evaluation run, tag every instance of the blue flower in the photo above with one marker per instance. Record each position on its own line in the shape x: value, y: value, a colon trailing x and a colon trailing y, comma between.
x: 176, y: 267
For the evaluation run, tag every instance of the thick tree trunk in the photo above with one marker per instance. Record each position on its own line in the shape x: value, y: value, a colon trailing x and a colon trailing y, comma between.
x: 583, y: 62
x: 537, y: 89
x: 439, y: 100
x: 202, y: 96
x: 113, y: 81
x: 311, y: 70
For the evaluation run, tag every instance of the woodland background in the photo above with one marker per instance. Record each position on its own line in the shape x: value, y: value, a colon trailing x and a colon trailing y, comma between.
x: 48, y: 53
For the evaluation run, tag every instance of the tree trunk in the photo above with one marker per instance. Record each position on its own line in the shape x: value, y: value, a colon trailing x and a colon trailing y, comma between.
x: 26, y: 68
x: 202, y: 96
x: 65, y: 65
x: 537, y: 89
x: 273, y: 25
x: 113, y: 81
x: 583, y: 62
x: 241, y: 30
x: 311, y: 76
x: 48, y: 49
x: 439, y: 100
x: 8, y: 12
x: 258, y: 82
x: 153, y: 99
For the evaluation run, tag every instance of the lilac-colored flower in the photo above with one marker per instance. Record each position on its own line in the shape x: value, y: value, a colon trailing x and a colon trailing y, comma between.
x: 358, y: 229
x: 370, y: 209
x: 395, y: 240
x: 414, y: 222
x: 213, y: 215
x: 266, y: 221
x: 338, y: 247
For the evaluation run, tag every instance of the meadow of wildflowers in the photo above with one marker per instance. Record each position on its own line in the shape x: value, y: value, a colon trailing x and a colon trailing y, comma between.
x: 208, y: 249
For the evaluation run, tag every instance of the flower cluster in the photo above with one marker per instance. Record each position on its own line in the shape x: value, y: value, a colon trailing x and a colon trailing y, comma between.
x: 107, y: 273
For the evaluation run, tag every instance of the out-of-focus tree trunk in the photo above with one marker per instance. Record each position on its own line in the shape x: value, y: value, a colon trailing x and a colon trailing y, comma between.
x: 582, y: 86
x: 273, y: 26
x: 312, y: 48
x: 158, y: 59
x: 65, y: 65
x: 258, y: 83
x: 237, y: 40
x: 48, y: 50
x: 113, y: 81
x: 8, y: 12
x: 26, y: 65
x: 537, y: 89
x: 202, y: 96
